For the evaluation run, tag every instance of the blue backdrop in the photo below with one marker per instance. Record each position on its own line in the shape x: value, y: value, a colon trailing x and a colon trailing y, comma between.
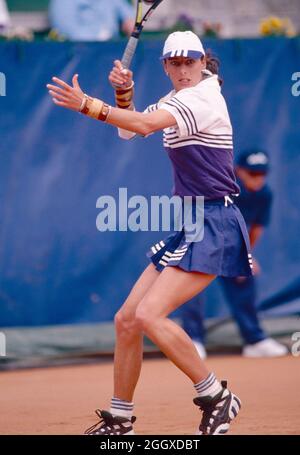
x: 55, y: 267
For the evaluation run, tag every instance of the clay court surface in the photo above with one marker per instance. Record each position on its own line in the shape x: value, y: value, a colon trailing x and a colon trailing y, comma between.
x: 61, y: 400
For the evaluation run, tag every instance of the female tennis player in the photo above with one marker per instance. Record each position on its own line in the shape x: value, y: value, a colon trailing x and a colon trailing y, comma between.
x: 198, y: 139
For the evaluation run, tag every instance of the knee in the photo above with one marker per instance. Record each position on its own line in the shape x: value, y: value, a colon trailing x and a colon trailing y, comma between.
x: 125, y: 324
x: 145, y: 318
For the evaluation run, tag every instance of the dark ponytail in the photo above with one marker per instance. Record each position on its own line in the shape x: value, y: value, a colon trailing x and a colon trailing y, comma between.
x: 213, y: 64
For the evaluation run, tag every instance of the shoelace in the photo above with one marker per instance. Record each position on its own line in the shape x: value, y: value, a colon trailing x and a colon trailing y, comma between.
x: 105, y: 418
x: 207, y: 414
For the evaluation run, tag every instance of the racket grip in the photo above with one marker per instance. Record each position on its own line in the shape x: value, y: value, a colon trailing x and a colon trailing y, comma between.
x: 129, y: 52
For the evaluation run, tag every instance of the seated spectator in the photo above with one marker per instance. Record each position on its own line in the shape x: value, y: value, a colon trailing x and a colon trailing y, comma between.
x: 4, y: 15
x: 91, y: 20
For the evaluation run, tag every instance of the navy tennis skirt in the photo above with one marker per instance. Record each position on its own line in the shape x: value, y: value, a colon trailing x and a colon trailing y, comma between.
x: 223, y: 251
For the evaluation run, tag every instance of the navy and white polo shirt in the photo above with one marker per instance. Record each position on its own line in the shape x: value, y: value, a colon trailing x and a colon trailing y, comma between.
x: 200, y: 145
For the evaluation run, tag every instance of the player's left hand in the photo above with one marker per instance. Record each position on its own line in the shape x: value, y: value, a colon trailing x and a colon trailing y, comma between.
x: 120, y: 77
x: 66, y: 96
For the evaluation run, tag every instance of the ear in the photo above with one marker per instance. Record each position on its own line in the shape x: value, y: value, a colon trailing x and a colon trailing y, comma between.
x: 203, y: 61
x: 165, y: 67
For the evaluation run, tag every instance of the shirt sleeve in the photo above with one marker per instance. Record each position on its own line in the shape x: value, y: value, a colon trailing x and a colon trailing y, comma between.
x: 125, y: 134
x: 151, y: 108
x: 193, y: 112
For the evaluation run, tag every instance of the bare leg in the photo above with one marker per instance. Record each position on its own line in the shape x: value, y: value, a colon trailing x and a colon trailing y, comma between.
x: 129, y: 338
x: 170, y: 290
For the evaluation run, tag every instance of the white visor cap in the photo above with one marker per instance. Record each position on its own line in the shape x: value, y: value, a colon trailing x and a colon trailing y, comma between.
x: 183, y: 44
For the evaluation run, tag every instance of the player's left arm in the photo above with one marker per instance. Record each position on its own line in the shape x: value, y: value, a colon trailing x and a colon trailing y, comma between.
x: 72, y: 97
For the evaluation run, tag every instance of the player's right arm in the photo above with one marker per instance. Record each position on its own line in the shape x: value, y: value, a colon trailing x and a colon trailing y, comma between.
x: 73, y: 98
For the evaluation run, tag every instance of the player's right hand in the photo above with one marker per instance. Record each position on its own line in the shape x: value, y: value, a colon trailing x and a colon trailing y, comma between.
x: 120, y: 77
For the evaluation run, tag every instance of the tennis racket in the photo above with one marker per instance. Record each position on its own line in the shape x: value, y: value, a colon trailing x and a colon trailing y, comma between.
x: 140, y: 21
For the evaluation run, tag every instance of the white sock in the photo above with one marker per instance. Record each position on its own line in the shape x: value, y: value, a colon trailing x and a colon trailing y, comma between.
x: 208, y: 387
x: 121, y: 408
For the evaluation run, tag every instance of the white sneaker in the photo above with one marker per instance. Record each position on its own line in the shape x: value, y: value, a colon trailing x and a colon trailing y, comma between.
x: 200, y: 349
x: 265, y: 348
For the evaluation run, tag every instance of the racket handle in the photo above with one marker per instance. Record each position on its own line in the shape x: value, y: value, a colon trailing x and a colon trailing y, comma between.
x: 129, y: 52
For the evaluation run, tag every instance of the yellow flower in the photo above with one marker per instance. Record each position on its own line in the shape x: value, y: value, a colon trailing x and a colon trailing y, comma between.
x: 276, y: 26
x: 275, y: 22
x: 264, y: 28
